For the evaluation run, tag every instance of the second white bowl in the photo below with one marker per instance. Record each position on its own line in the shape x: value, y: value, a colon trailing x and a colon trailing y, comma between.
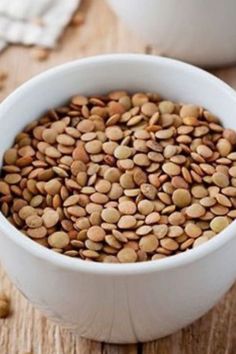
x: 202, y: 32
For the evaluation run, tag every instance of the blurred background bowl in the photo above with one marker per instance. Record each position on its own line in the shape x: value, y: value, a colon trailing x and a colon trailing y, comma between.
x: 202, y: 32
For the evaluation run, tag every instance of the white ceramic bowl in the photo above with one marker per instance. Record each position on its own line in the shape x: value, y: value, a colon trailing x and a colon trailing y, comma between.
x: 118, y: 302
x: 202, y: 32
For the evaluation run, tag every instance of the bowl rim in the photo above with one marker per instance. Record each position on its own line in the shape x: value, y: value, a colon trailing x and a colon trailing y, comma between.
x: 75, y: 264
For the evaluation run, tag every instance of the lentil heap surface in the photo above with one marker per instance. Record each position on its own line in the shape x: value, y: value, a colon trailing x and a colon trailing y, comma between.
x: 121, y: 178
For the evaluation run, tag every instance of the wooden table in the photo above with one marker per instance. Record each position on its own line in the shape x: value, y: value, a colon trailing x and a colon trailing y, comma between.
x: 28, y: 331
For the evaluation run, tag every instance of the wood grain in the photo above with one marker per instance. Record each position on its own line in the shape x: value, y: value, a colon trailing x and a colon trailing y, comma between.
x: 26, y: 330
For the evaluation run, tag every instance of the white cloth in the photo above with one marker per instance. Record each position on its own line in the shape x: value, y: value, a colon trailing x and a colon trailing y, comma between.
x: 34, y: 22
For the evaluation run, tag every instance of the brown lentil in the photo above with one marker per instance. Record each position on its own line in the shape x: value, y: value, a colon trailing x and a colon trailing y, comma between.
x: 110, y: 215
x: 96, y: 234
x: 35, y: 233
x: 58, y: 239
x: 169, y: 244
x: 200, y: 240
x: 160, y: 230
x: 145, y: 207
x: 127, y: 255
x: 127, y: 207
x: 127, y: 222
x: 176, y: 218
x: 33, y: 221
x: 152, y: 218
x: 220, y: 179
x: 148, y: 243
x: 50, y: 218
x: 181, y: 197
x: 219, y: 223
x: 195, y: 211
x: 193, y: 230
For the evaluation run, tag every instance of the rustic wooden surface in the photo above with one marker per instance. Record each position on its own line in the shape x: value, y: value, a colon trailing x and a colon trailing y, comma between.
x: 26, y: 330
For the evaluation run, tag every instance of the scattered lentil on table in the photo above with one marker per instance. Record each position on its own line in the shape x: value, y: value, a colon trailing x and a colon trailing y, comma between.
x: 121, y: 178
x: 4, y: 305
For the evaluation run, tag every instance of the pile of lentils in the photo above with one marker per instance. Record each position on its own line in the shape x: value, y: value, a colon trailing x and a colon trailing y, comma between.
x: 121, y: 178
